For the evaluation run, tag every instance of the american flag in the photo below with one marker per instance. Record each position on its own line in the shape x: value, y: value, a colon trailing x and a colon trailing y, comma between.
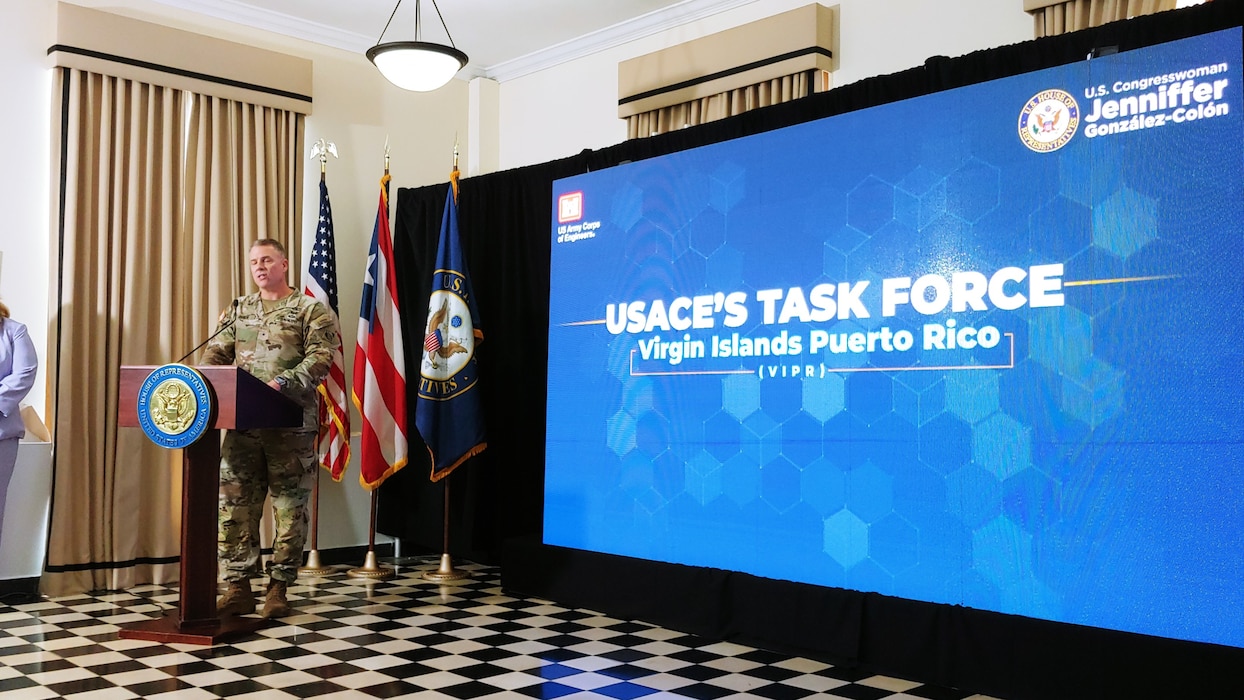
x: 379, y: 360
x: 333, y: 442
x: 432, y: 342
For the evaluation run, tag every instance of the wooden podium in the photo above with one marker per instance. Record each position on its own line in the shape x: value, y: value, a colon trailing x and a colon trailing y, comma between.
x: 243, y: 402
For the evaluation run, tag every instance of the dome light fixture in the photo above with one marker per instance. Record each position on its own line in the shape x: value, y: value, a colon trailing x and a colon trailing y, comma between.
x: 417, y: 65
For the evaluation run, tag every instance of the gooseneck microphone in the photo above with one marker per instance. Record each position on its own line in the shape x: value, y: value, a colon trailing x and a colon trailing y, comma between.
x: 233, y: 317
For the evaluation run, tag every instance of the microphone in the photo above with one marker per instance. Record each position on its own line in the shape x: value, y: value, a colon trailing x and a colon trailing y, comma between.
x: 233, y: 317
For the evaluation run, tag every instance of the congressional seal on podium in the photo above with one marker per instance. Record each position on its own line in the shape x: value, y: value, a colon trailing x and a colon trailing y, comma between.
x: 174, y: 406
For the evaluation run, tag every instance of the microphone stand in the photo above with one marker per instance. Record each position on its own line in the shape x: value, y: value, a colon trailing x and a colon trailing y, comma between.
x: 233, y: 318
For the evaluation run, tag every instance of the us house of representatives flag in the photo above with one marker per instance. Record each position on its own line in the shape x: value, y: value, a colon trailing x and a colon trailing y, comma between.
x: 447, y: 410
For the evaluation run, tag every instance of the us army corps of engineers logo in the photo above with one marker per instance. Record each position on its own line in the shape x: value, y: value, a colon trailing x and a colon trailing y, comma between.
x: 174, y: 406
x: 1049, y: 120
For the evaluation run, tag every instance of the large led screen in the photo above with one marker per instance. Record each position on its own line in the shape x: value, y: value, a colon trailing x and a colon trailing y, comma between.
x: 981, y: 347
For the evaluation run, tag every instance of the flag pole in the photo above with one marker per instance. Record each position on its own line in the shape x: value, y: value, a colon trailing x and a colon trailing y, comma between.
x: 313, y: 567
x: 370, y: 569
x: 446, y: 570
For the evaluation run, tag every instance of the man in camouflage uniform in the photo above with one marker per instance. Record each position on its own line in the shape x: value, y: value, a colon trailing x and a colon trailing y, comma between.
x: 286, y: 339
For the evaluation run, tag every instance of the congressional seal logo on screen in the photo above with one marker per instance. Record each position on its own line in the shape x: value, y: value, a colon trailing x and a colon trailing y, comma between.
x: 1049, y: 120
x: 174, y: 406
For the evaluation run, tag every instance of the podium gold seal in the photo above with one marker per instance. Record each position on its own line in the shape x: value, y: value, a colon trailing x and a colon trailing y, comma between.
x: 174, y: 406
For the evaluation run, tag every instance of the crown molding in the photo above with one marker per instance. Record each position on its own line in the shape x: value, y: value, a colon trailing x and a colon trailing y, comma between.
x: 621, y: 33
x: 275, y: 22
x: 638, y: 28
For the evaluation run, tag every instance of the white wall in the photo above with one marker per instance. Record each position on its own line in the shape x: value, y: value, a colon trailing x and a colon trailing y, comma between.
x: 25, y: 172
x: 560, y: 111
x: 885, y: 36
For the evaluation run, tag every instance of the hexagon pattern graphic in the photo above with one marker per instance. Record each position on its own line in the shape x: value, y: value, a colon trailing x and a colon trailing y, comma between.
x: 722, y: 436
x: 740, y: 395
x: 973, y: 495
x: 728, y: 184
x: 894, y: 544
x: 703, y: 478
x: 1125, y: 222
x: 823, y: 486
x: 961, y: 435
x: 1095, y: 394
x: 761, y: 438
x: 972, y: 190
x: 1002, y: 446
x: 914, y: 470
x: 972, y: 395
x: 870, y: 492
x: 740, y: 479
x: 870, y: 205
x: 780, y: 484
x: 1002, y: 552
x: 1060, y: 228
x: 620, y: 433
x: 627, y: 208
x: 919, y: 198
x: 846, y: 538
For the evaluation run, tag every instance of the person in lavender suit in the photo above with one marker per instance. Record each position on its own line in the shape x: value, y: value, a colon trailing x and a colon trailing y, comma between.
x: 17, y: 374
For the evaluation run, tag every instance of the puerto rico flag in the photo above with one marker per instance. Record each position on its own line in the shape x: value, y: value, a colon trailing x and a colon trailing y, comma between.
x: 379, y: 360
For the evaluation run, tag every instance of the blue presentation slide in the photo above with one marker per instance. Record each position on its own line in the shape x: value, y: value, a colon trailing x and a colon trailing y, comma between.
x: 981, y: 347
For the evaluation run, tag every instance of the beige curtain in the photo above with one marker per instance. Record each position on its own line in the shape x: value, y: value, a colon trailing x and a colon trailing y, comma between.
x: 155, y: 227
x: 720, y: 106
x: 1062, y: 17
x: 114, y: 501
x: 242, y: 183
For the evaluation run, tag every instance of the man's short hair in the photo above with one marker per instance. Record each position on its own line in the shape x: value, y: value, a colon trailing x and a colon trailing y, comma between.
x: 272, y: 242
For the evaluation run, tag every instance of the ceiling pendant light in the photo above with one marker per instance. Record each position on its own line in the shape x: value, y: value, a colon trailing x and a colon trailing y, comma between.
x: 417, y: 65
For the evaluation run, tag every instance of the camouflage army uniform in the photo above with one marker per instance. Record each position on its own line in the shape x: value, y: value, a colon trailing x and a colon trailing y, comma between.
x: 294, y: 338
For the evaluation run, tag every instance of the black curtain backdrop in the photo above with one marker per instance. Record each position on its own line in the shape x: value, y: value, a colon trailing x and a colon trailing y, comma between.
x: 496, y: 498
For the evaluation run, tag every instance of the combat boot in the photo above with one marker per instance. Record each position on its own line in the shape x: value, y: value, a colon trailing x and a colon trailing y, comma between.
x: 239, y: 599
x: 275, y: 604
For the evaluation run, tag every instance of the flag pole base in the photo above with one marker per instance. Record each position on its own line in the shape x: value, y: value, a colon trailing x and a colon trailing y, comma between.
x: 369, y: 570
x: 314, y: 567
x: 446, y: 572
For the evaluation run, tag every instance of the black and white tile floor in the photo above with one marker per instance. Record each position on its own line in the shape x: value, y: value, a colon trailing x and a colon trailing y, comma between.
x: 403, y: 638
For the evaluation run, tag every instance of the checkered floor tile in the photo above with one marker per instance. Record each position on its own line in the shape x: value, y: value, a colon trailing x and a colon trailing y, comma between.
x: 403, y: 638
